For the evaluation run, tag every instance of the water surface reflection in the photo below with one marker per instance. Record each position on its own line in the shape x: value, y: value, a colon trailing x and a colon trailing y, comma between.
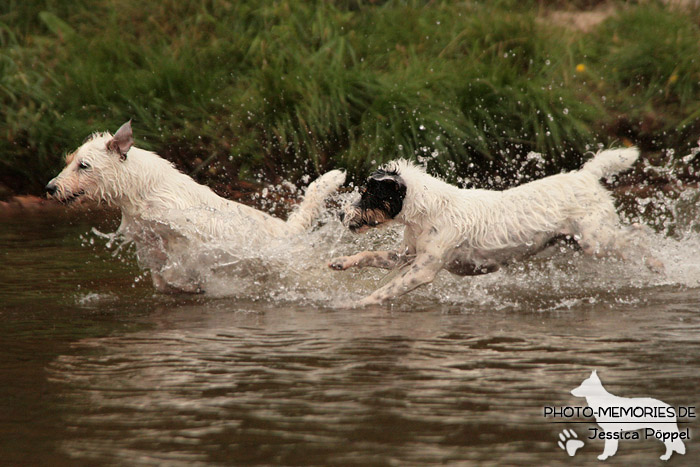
x: 215, y: 383
x: 97, y: 369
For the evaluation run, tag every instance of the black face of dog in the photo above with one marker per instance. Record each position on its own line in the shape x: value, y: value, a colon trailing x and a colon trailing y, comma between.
x: 381, y: 201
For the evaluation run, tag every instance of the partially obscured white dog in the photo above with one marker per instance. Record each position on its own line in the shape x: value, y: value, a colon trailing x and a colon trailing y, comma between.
x: 164, y: 209
x: 471, y: 232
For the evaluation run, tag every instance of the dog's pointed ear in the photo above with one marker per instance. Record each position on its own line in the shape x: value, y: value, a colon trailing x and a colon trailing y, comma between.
x: 378, y: 176
x: 122, y: 141
x: 381, y: 177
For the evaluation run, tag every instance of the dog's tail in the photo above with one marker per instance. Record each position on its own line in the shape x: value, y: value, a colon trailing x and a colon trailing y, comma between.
x: 304, y: 215
x: 611, y: 161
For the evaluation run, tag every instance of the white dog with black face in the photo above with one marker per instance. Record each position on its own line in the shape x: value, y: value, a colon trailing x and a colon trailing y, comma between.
x: 474, y: 231
x: 164, y: 209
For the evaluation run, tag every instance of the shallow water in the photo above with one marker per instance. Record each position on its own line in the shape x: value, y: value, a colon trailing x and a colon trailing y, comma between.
x: 96, y: 368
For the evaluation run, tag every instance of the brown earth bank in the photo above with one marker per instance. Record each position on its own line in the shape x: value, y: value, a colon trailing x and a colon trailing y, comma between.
x: 649, y: 129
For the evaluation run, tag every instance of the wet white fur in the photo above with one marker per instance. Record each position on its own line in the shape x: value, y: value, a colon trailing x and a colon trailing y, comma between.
x: 164, y: 209
x: 474, y: 231
x: 492, y: 220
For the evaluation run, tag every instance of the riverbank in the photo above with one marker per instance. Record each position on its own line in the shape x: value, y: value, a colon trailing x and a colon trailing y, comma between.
x: 237, y: 94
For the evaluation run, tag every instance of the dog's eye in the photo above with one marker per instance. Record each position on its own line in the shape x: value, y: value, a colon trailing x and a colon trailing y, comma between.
x: 82, y: 165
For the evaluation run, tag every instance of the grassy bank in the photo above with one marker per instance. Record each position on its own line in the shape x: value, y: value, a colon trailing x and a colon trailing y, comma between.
x: 261, y: 90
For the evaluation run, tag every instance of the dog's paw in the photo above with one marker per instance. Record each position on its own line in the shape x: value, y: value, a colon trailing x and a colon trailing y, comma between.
x: 340, y: 264
x: 569, y: 442
x: 655, y: 265
x: 367, y: 301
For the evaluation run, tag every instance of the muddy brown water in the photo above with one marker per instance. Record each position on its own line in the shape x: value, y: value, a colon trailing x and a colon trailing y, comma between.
x: 97, y: 369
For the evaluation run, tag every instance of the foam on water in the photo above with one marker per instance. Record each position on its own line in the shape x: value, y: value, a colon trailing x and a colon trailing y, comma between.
x: 255, y: 267
x: 93, y: 299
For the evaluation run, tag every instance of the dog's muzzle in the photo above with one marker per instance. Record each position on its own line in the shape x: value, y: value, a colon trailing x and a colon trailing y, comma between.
x: 361, y: 225
x: 53, y: 191
x: 358, y: 227
x: 351, y: 217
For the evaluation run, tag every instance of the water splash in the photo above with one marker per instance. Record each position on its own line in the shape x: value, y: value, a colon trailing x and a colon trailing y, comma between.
x: 248, y: 265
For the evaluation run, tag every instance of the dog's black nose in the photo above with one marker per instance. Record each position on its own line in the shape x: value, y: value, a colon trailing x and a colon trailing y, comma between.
x: 51, y: 188
x: 341, y: 216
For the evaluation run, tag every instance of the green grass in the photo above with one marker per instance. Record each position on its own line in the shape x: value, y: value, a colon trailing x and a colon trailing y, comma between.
x: 264, y: 90
x: 648, y: 59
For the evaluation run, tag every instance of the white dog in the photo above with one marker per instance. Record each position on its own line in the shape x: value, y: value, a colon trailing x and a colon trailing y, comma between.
x: 474, y: 231
x: 651, y: 415
x: 164, y: 209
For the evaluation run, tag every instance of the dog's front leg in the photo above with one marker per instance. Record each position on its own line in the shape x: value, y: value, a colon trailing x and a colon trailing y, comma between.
x: 374, y: 259
x: 422, y: 271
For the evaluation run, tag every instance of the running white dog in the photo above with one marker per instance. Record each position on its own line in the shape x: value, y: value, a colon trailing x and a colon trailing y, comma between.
x: 164, y: 209
x: 474, y: 231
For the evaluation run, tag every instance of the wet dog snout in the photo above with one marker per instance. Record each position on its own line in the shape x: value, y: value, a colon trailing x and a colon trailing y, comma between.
x: 51, y: 188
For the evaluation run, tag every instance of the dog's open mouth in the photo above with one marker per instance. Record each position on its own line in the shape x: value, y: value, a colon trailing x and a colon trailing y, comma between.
x: 361, y: 220
x: 71, y: 198
x: 359, y: 228
x: 363, y: 226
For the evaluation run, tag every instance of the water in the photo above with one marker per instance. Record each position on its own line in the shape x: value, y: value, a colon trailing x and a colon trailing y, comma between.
x: 96, y: 368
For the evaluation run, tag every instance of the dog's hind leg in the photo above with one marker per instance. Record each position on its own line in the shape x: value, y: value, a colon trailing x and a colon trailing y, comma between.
x: 601, y: 241
x: 372, y: 259
x: 650, y: 261
x: 599, y: 236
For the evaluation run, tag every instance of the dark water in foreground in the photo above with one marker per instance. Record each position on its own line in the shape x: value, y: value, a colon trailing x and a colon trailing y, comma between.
x: 97, y: 369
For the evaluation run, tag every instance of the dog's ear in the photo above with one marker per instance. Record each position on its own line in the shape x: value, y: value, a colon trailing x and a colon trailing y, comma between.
x: 384, y: 179
x: 122, y: 141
